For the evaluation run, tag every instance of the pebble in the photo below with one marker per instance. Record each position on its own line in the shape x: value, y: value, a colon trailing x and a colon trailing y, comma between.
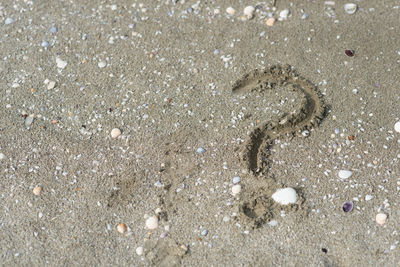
x: 29, y: 120
x: 344, y: 174
x: 115, y: 133
x: 9, y: 21
x: 397, y: 126
x: 249, y: 11
x: 350, y: 8
x: 101, y: 64
x: 139, y: 251
x: 122, y: 228
x: 348, y: 206
x: 200, y: 150
x: 53, y: 30
x: 45, y: 44
x: 61, y: 63
x: 236, y: 189
x: 273, y: 223
x: 270, y: 22
x: 231, y: 11
x: 37, y: 190
x: 236, y: 180
x: 284, y: 14
x: 381, y: 218
x: 51, y: 85
x: 368, y: 197
x: 152, y: 223
x: 349, y: 53
x: 2, y: 156
x: 204, y: 232
x: 285, y: 196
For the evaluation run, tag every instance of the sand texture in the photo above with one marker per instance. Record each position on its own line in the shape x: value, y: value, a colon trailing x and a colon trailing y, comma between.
x: 216, y: 112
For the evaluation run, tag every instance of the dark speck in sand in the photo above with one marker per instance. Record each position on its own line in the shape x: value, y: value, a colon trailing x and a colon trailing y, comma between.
x: 349, y: 53
x: 348, y: 206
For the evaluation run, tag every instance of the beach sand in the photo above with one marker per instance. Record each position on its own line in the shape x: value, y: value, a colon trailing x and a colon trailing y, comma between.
x: 171, y: 75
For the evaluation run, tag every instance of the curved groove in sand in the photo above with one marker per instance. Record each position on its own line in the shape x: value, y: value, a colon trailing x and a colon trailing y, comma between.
x: 309, y: 115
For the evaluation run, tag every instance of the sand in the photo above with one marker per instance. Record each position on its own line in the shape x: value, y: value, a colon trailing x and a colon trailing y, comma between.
x: 171, y: 75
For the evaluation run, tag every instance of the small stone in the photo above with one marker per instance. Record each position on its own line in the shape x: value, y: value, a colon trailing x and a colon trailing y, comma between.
x: 304, y: 16
x: 344, y: 174
x: 231, y: 11
x: 29, y: 120
x: 53, y: 30
x: 349, y: 53
x: 236, y: 189
x: 9, y: 21
x: 37, y: 190
x: 139, y: 251
x: 51, y: 85
x: 285, y: 196
x: 249, y: 11
x: 2, y: 156
x: 200, y: 150
x: 115, y: 133
x: 45, y: 44
x: 273, y: 223
x: 152, y: 223
x: 270, y: 22
x: 284, y: 14
x: 397, y: 126
x: 368, y: 197
x: 61, y: 63
x: 236, y: 180
x: 204, y: 232
x: 101, y: 64
x: 348, y: 206
x: 122, y: 228
x: 381, y: 218
x: 350, y: 8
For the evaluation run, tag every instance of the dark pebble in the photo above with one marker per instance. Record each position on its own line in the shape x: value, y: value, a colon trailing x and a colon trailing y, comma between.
x: 349, y: 53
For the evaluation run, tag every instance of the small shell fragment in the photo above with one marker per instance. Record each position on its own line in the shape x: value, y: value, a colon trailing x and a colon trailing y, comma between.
x: 350, y: 8
x: 236, y: 189
x: 284, y: 14
x: 348, y: 206
x: 381, y: 218
x: 231, y: 11
x: 122, y: 228
x: 270, y: 22
x: 344, y: 174
x: 397, y: 126
x: 285, y: 196
x: 115, y: 133
x: 37, y: 190
x: 152, y: 223
x: 249, y: 11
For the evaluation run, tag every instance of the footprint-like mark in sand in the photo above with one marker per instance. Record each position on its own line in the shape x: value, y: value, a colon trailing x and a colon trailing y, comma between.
x: 256, y: 206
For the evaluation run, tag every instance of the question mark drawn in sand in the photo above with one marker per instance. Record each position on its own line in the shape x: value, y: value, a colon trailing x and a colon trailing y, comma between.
x: 257, y: 207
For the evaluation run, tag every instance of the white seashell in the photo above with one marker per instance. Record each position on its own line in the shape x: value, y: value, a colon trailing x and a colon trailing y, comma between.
x: 61, y: 63
x: 152, y: 223
x: 284, y: 14
x: 397, y: 126
x: 249, y: 11
x: 381, y: 218
x: 230, y: 11
x: 350, y: 8
x: 236, y: 189
x: 285, y: 196
x: 344, y: 174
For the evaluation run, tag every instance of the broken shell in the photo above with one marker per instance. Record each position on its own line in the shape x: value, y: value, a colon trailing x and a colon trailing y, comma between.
x: 350, y: 8
x: 381, y: 218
